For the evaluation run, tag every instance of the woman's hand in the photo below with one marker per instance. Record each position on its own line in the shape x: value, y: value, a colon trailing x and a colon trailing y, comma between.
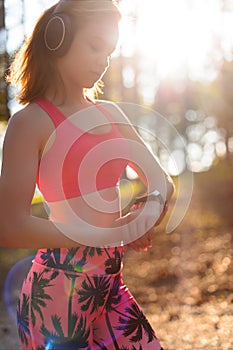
x: 145, y: 242
x: 142, y: 243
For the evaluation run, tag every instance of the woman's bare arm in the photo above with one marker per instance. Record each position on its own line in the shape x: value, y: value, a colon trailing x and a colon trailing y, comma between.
x: 142, y: 161
x: 18, y: 228
x: 148, y: 169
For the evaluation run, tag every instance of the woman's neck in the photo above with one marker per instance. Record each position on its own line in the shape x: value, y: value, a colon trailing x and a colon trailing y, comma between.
x: 72, y: 99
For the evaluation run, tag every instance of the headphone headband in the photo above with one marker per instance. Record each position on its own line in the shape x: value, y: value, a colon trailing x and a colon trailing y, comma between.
x: 62, y: 2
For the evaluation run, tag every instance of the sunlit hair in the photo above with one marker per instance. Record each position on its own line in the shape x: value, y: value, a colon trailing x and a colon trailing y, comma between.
x: 33, y: 70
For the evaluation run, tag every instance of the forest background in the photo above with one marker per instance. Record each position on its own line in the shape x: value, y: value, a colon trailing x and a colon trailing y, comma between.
x: 179, y: 96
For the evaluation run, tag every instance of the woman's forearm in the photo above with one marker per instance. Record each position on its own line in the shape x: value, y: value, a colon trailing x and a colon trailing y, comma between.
x: 30, y: 232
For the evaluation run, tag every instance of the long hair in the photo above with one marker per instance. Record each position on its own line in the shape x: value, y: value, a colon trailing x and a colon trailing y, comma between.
x: 33, y: 69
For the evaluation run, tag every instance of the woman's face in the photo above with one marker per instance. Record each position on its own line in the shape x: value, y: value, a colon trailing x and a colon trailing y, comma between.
x: 88, y: 57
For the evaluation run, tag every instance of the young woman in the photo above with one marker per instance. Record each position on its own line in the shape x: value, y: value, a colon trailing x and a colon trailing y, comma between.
x: 75, y: 149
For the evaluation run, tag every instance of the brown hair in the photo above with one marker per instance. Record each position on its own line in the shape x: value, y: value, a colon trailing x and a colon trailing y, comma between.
x: 33, y: 69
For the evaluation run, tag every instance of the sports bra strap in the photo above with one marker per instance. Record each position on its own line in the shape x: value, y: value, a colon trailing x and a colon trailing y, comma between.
x: 55, y: 114
x: 104, y: 111
x: 58, y: 117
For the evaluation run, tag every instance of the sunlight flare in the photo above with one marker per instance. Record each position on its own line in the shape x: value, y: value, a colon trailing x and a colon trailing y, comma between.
x: 180, y: 37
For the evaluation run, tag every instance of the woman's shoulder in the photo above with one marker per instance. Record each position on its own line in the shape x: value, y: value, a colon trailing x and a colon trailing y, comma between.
x: 30, y: 114
x: 30, y: 118
x: 29, y: 126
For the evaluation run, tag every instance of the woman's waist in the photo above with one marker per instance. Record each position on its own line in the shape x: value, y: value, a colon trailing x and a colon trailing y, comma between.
x: 83, y: 259
x: 99, y: 208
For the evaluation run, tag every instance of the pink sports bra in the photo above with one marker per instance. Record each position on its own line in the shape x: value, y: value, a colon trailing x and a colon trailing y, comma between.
x: 80, y: 162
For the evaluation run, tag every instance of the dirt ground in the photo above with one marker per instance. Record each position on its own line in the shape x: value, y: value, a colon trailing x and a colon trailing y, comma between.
x: 184, y: 283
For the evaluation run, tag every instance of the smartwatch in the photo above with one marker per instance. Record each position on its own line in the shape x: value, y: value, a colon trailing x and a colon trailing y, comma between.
x: 153, y: 196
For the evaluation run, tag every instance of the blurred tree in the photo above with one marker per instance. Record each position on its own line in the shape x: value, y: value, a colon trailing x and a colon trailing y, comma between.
x: 225, y: 109
x: 120, y: 81
x: 4, y: 112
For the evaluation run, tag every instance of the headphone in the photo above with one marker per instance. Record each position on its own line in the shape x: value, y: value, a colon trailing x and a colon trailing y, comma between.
x: 59, y: 31
x: 58, y: 34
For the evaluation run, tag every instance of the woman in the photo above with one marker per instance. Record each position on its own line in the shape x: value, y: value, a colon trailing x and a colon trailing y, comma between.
x: 73, y: 296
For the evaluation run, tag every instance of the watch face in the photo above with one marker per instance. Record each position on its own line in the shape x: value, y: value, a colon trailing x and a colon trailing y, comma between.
x: 154, y: 196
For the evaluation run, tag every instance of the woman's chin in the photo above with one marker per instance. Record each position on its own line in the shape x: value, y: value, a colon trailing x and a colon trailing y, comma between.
x: 92, y: 84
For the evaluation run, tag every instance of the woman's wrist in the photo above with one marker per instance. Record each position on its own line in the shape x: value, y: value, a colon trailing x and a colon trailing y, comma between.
x: 156, y: 195
x: 153, y: 196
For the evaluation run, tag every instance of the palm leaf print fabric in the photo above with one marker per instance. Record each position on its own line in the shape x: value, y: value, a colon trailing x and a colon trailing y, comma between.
x: 75, y: 299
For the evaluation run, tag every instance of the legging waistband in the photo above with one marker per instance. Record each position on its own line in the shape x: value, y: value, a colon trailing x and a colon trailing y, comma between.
x: 83, y: 259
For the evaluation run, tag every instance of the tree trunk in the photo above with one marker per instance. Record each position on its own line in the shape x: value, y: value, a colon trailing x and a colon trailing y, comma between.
x: 4, y: 112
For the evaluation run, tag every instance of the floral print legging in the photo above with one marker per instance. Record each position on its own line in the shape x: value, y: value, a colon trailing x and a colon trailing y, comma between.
x: 75, y: 299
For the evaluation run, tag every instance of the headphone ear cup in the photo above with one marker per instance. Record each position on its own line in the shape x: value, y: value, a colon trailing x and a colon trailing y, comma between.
x: 58, y: 34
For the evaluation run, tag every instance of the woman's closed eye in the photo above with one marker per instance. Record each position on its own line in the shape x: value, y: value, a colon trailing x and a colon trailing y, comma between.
x: 96, y: 49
